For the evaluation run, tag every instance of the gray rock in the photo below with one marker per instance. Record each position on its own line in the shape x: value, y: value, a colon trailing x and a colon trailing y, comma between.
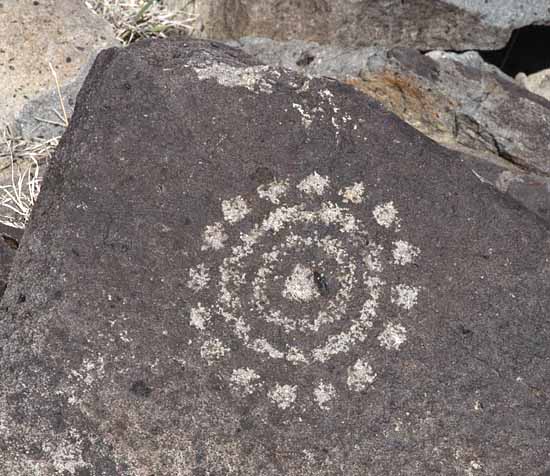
x: 506, y: 13
x: 456, y: 99
x: 39, y: 116
x: 64, y: 33
x: 234, y: 269
x: 537, y: 83
x: 9, y: 243
x: 421, y: 24
x: 468, y: 58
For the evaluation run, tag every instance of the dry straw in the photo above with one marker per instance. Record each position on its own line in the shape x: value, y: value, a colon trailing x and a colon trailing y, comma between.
x: 135, y: 19
x: 24, y: 157
x: 28, y: 157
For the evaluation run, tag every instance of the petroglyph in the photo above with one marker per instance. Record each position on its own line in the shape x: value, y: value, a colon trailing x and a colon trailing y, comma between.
x: 314, y: 184
x: 235, y: 210
x: 386, y: 215
x: 214, y: 237
x: 393, y: 337
x: 360, y: 376
x: 298, y: 285
x: 404, y: 253
x: 353, y: 193
x: 273, y: 191
x: 283, y: 395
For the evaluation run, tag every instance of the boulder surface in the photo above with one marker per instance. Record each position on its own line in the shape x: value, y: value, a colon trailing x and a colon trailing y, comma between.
x: 421, y: 24
x: 236, y: 269
x: 34, y: 33
x: 456, y: 99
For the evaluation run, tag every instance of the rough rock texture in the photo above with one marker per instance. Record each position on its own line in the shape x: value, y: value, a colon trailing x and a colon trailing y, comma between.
x: 9, y: 243
x: 537, y: 83
x: 422, y: 24
x: 63, y: 32
x: 234, y: 269
x: 457, y: 100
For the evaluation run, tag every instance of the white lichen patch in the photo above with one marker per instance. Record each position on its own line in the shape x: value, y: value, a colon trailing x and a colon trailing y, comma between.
x: 214, y: 237
x: 360, y: 376
x: 353, y: 194
x: 368, y: 311
x: 199, y: 316
x: 283, y: 395
x: 273, y: 191
x: 198, y: 277
x: 386, y: 215
x: 404, y: 253
x: 326, y: 95
x: 213, y: 350
x: 252, y: 77
x: 314, y: 184
x: 404, y: 296
x: 245, y: 380
x: 323, y: 394
x: 306, y: 118
x: 393, y: 336
x: 66, y: 455
x: 90, y: 371
x: 300, y: 285
x: 235, y: 210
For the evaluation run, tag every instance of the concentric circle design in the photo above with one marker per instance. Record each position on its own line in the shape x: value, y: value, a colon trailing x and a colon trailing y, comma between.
x: 299, y: 287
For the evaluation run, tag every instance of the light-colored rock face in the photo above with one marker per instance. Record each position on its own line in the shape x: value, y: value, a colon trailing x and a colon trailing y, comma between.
x: 34, y: 33
x: 422, y: 24
x: 506, y: 13
x: 538, y: 83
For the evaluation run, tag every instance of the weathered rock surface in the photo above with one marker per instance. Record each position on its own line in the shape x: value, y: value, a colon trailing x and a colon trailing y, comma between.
x: 33, y: 34
x: 537, y: 83
x: 234, y: 269
x: 422, y: 24
x: 456, y: 99
x: 9, y: 242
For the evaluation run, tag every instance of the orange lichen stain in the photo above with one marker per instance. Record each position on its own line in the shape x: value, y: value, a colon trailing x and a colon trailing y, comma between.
x: 409, y: 100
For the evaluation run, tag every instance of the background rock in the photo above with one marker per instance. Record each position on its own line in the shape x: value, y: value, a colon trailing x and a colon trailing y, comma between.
x: 133, y: 345
x: 33, y: 33
x: 537, y: 83
x: 458, y: 100
x: 421, y: 24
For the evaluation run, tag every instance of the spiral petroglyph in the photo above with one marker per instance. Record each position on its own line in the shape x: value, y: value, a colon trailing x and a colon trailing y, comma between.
x: 293, y: 277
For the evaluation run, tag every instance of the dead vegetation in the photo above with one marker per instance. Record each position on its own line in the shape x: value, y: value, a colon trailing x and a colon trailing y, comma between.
x: 23, y: 160
x: 136, y: 19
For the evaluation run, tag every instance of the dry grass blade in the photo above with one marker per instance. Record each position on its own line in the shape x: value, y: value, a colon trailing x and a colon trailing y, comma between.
x: 135, y: 19
x: 24, y: 157
x: 65, y: 119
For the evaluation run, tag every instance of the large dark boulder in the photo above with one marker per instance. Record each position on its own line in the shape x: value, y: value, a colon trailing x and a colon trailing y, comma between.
x: 234, y: 269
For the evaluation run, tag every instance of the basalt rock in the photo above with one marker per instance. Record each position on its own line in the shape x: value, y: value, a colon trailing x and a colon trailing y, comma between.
x: 456, y: 99
x: 420, y: 24
x: 236, y: 269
